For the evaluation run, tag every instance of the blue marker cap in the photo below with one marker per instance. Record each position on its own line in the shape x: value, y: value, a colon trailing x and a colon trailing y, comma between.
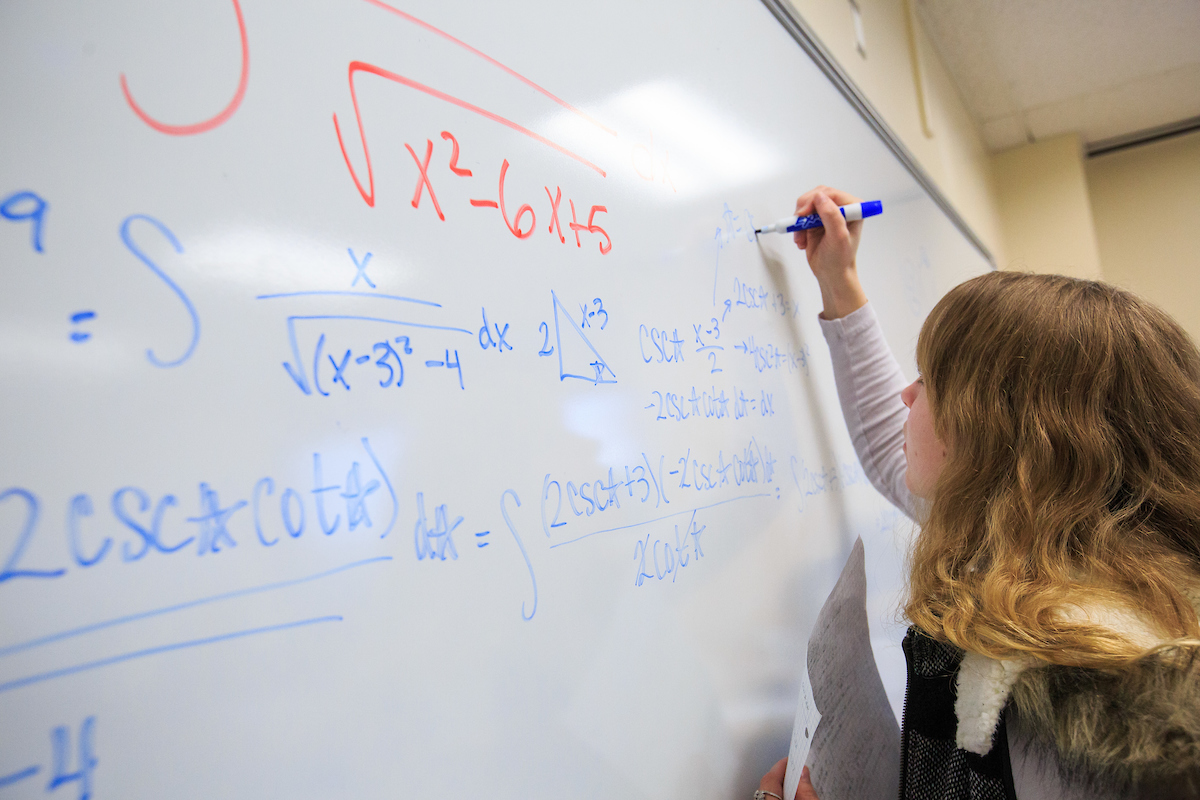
x: 870, y: 208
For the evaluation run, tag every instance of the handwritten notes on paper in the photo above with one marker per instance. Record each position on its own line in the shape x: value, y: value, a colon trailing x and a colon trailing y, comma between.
x: 803, y: 730
x: 855, y: 753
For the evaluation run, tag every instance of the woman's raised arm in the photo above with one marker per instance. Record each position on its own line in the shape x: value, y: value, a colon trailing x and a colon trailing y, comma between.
x: 869, y: 379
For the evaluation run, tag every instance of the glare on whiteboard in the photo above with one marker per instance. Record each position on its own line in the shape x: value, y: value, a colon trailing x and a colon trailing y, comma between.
x: 700, y: 143
x: 274, y: 259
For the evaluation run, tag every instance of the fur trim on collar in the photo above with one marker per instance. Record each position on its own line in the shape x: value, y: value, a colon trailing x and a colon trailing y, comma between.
x: 1117, y: 728
x: 1136, y: 727
x: 984, y: 684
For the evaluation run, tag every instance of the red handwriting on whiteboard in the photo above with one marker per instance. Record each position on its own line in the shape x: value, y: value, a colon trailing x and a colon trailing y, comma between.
x: 454, y: 167
x: 423, y: 181
x: 515, y: 225
x: 554, y: 203
x: 438, y: 31
x: 520, y: 224
x: 208, y: 124
x: 368, y: 193
x: 590, y: 227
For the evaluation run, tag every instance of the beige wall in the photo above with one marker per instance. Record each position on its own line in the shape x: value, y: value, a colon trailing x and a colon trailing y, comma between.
x: 1146, y: 202
x: 954, y: 155
x: 1043, y: 207
x: 1045, y: 210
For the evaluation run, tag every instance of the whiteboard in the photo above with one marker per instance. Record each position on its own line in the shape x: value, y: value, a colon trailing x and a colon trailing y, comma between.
x: 315, y: 485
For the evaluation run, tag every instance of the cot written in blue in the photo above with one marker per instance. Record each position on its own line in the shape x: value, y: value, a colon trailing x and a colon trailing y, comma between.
x: 570, y: 500
x: 710, y: 404
x: 754, y: 464
x: 153, y: 526
x: 676, y: 553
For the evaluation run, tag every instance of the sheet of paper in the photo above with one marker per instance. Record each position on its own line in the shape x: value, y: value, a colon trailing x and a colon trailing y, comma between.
x: 855, y: 752
x: 803, y: 730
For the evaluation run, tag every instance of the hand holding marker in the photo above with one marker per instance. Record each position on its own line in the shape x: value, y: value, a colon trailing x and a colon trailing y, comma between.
x: 852, y: 213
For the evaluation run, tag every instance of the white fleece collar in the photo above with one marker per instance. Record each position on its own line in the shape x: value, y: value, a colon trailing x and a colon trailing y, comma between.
x: 983, y: 688
x: 984, y: 684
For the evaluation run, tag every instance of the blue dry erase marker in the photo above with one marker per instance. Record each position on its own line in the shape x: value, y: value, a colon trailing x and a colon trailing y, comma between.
x: 852, y: 213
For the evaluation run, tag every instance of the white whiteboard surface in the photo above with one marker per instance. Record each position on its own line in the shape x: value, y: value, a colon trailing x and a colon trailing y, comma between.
x: 280, y: 516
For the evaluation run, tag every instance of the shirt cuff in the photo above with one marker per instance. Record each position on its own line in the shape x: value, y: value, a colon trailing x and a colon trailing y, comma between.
x: 846, y: 328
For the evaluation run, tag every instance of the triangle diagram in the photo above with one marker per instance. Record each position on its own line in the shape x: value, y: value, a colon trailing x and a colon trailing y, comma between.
x: 577, y: 357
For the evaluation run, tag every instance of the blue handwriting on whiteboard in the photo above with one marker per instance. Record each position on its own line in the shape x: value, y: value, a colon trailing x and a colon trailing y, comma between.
x: 138, y: 512
x: 825, y: 478
x: 769, y: 356
x: 60, y: 758
x: 10, y: 571
x: 387, y: 353
x: 361, y: 267
x: 758, y: 298
x: 748, y: 296
x: 752, y: 465
x: 448, y: 363
x: 675, y: 557
x: 707, y: 335
x: 214, y: 521
x: 673, y: 514
x: 517, y: 537
x: 660, y: 347
x: 600, y: 495
x: 87, y: 666
x: 81, y: 505
x: 486, y: 340
x: 79, y: 337
x: 433, y: 542
x: 709, y: 404
x: 588, y: 316
x: 729, y: 230
x: 126, y: 619
x: 784, y: 305
x: 584, y: 361
x: 336, y: 293
x: 127, y: 238
x: 662, y: 342
x: 34, y: 212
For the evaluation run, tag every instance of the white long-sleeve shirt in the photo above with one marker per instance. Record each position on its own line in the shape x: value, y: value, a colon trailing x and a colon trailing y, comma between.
x: 869, y: 381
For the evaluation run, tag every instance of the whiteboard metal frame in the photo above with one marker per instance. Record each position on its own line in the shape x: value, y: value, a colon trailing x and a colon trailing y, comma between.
x: 790, y: 19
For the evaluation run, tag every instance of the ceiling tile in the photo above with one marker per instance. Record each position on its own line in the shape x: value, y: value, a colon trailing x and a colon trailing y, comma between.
x: 1114, y: 111
x: 960, y: 36
x: 1115, y: 66
x: 1063, y: 49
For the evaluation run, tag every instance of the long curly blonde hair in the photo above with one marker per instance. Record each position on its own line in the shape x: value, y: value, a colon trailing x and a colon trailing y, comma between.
x: 1071, y: 413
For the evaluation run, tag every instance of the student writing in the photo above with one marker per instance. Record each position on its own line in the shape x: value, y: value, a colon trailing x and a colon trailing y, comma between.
x: 1050, y: 451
